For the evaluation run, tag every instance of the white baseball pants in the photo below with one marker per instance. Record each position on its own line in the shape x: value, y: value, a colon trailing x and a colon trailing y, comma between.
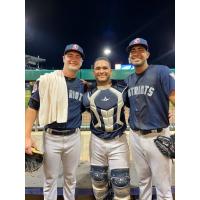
x: 151, y: 165
x: 61, y: 149
x: 113, y: 153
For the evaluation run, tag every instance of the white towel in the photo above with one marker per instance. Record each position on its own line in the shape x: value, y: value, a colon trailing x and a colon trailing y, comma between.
x: 53, y: 98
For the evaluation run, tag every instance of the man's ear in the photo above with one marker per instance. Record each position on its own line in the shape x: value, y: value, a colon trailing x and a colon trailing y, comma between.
x: 93, y: 69
x: 129, y: 60
x: 63, y: 58
x: 82, y: 61
x: 148, y: 54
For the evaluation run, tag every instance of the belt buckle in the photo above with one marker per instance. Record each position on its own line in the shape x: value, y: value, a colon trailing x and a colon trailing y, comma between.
x: 49, y: 130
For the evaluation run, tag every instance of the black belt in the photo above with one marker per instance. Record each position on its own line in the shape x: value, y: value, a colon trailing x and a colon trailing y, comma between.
x: 145, y: 132
x: 63, y: 132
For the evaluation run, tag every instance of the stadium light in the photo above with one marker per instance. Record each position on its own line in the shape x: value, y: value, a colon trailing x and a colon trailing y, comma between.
x: 107, y: 51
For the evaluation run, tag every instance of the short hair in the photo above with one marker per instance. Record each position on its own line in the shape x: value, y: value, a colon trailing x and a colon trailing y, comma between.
x: 102, y: 58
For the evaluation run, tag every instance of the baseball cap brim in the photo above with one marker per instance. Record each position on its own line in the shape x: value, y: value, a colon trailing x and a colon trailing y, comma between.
x: 82, y: 55
x: 128, y: 49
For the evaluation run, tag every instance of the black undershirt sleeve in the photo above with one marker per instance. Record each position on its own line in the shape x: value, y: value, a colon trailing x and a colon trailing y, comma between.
x: 34, y: 104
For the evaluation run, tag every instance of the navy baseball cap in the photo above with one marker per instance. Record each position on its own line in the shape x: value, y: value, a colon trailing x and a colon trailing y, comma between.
x: 136, y: 41
x: 74, y: 47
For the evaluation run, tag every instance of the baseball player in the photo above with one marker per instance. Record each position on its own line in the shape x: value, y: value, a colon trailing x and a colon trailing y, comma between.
x: 108, y: 143
x: 150, y: 89
x: 57, y: 98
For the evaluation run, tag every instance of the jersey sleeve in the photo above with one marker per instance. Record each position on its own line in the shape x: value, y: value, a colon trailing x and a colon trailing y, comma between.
x: 126, y: 99
x: 126, y: 80
x: 167, y: 78
x: 124, y: 86
x: 34, y: 101
x: 86, y: 102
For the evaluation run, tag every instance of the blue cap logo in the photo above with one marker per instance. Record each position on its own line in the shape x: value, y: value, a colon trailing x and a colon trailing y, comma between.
x: 136, y: 41
x: 74, y: 47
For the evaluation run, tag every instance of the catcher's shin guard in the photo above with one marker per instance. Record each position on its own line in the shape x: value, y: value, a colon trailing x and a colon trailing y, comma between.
x: 120, y: 180
x: 99, y: 178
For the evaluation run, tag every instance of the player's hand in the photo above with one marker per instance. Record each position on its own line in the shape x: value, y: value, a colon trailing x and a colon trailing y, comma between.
x: 87, y: 85
x: 85, y: 82
x: 170, y: 115
x: 28, y: 145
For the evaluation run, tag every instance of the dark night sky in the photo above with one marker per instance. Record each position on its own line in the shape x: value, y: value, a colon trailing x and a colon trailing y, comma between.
x: 50, y: 25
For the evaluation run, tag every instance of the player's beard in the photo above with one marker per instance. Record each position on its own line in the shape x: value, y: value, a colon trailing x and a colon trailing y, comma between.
x: 74, y: 68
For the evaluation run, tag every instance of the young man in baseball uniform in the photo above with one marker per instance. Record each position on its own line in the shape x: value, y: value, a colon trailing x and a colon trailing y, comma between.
x: 150, y: 89
x: 57, y: 98
x: 108, y: 145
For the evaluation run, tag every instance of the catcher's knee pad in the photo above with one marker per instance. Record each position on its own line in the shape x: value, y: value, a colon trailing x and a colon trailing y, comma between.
x: 120, y: 180
x: 99, y: 178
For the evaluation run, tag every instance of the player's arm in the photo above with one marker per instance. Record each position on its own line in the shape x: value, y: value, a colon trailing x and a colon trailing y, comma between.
x: 125, y: 97
x: 172, y: 97
x: 88, y: 85
x: 86, y: 101
x: 168, y: 83
x: 127, y: 102
x: 30, y: 117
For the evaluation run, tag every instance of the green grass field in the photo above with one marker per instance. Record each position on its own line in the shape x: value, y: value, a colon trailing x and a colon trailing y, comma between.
x: 27, y: 97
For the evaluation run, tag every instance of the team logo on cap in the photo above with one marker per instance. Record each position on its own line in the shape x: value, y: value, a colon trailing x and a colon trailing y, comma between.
x: 136, y: 41
x: 75, y: 46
